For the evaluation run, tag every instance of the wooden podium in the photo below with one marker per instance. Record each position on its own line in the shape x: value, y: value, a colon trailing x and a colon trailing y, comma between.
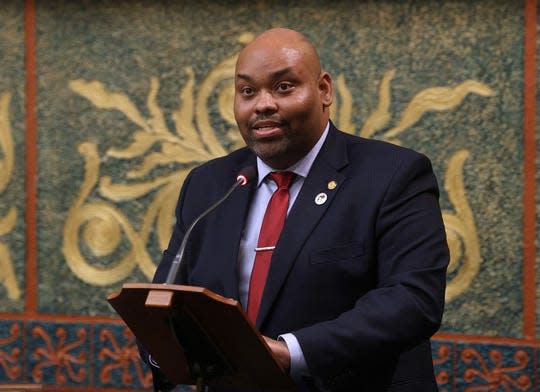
x: 28, y: 388
x: 199, y: 337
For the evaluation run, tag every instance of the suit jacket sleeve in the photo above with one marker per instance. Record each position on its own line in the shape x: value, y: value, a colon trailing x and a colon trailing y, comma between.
x: 406, y: 305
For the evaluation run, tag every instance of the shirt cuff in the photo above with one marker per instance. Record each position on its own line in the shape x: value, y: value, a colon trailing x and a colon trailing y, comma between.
x: 152, y: 362
x: 298, y: 362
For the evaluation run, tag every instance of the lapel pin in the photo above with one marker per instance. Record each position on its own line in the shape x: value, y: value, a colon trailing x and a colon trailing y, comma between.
x: 332, y: 185
x: 320, y: 199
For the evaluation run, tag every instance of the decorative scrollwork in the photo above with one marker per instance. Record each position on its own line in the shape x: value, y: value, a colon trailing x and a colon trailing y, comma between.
x: 492, y: 378
x: 124, y: 357
x: 100, y: 222
x: 9, y: 361
x: 194, y: 140
x: 68, y: 366
x: 104, y: 223
x: 465, y: 257
x: 460, y: 230
x: 7, y: 223
x: 443, y: 356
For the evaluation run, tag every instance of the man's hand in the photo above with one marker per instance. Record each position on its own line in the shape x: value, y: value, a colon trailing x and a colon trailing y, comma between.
x: 280, y: 351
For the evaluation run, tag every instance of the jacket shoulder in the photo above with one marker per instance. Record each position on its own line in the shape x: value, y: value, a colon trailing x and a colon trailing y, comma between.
x: 379, y: 153
x: 225, y: 165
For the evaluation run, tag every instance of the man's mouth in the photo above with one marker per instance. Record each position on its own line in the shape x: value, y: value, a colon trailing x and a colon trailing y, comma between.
x: 266, y: 129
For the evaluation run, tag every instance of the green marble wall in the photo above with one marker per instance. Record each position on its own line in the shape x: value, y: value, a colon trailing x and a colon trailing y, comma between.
x: 111, y: 73
x: 12, y: 158
x: 474, y: 50
x: 132, y: 94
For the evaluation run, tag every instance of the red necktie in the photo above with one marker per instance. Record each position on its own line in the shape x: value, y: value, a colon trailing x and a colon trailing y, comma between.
x: 273, y: 221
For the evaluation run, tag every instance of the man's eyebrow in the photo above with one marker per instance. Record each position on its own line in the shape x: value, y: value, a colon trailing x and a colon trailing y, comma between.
x: 245, y: 77
x: 281, y: 72
x: 273, y: 75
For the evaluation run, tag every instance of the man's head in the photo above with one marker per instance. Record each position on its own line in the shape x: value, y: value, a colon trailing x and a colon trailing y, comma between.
x: 282, y: 97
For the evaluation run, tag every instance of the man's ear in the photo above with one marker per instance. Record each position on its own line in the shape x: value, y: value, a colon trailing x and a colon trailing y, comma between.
x: 326, y: 89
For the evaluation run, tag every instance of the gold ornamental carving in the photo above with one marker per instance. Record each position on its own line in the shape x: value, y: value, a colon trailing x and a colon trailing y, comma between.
x: 7, y: 222
x: 465, y: 256
x: 99, y: 224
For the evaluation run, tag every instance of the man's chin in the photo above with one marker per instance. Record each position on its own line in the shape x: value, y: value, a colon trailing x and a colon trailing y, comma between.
x: 275, y: 156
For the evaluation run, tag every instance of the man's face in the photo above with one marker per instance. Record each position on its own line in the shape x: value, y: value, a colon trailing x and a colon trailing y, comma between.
x: 281, y: 102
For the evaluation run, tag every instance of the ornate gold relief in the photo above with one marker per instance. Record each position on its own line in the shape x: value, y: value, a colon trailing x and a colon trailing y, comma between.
x: 100, y: 225
x: 7, y: 223
x: 460, y: 227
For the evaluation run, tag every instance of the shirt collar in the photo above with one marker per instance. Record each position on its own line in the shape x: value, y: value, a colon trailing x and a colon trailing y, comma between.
x: 300, y: 168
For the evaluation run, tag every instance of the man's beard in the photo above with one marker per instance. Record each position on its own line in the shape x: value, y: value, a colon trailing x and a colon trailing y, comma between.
x: 270, y: 150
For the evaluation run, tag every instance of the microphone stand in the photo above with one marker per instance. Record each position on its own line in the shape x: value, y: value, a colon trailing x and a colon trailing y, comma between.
x: 171, y: 277
x: 199, y: 369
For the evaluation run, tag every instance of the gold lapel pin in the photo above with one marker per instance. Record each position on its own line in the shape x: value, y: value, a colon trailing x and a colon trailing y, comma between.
x: 332, y: 185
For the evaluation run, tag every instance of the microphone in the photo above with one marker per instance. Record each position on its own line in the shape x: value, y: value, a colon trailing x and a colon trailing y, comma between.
x: 244, y: 176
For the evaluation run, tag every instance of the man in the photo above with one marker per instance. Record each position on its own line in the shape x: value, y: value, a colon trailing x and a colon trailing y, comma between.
x: 355, y: 283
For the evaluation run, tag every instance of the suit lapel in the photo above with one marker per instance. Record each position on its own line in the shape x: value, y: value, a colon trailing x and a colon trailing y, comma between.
x: 304, y: 215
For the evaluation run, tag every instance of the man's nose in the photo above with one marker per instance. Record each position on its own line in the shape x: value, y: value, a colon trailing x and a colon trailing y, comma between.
x: 265, y: 102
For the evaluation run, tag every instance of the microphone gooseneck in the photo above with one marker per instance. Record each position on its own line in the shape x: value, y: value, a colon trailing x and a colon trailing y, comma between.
x: 244, y: 176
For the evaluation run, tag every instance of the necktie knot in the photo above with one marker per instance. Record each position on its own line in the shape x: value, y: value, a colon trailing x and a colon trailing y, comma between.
x: 283, y: 179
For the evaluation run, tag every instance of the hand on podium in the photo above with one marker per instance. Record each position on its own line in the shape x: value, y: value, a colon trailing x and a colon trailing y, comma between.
x: 280, y: 351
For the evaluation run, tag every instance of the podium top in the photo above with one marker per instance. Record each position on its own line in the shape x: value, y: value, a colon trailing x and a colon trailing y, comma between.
x: 189, y: 329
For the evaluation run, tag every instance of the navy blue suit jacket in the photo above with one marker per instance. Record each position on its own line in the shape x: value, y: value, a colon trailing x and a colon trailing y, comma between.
x: 359, y: 279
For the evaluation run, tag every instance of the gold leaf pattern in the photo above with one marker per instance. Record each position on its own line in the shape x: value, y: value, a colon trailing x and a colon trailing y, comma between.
x: 460, y: 229
x: 381, y: 115
x: 437, y: 99
x: 189, y: 145
x: 465, y: 257
x: 96, y: 93
x: 122, y: 192
x: 195, y: 140
x: 7, y: 223
x: 343, y: 114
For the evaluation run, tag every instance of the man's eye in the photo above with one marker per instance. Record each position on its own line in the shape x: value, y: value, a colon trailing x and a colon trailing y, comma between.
x: 284, y: 86
x: 246, y: 90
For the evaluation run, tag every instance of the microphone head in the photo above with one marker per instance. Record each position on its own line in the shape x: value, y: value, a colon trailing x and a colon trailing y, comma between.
x: 246, y: 175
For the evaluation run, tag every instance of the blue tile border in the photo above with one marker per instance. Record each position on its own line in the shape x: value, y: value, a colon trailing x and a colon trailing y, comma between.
x: 479, y: 366
x: 495, y: 367
x: 443, y: 358
x: 117, y: 361
x: 101, y: 356
x: 11, y: 351
x: 58, y: 353
x: 104, y: 355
